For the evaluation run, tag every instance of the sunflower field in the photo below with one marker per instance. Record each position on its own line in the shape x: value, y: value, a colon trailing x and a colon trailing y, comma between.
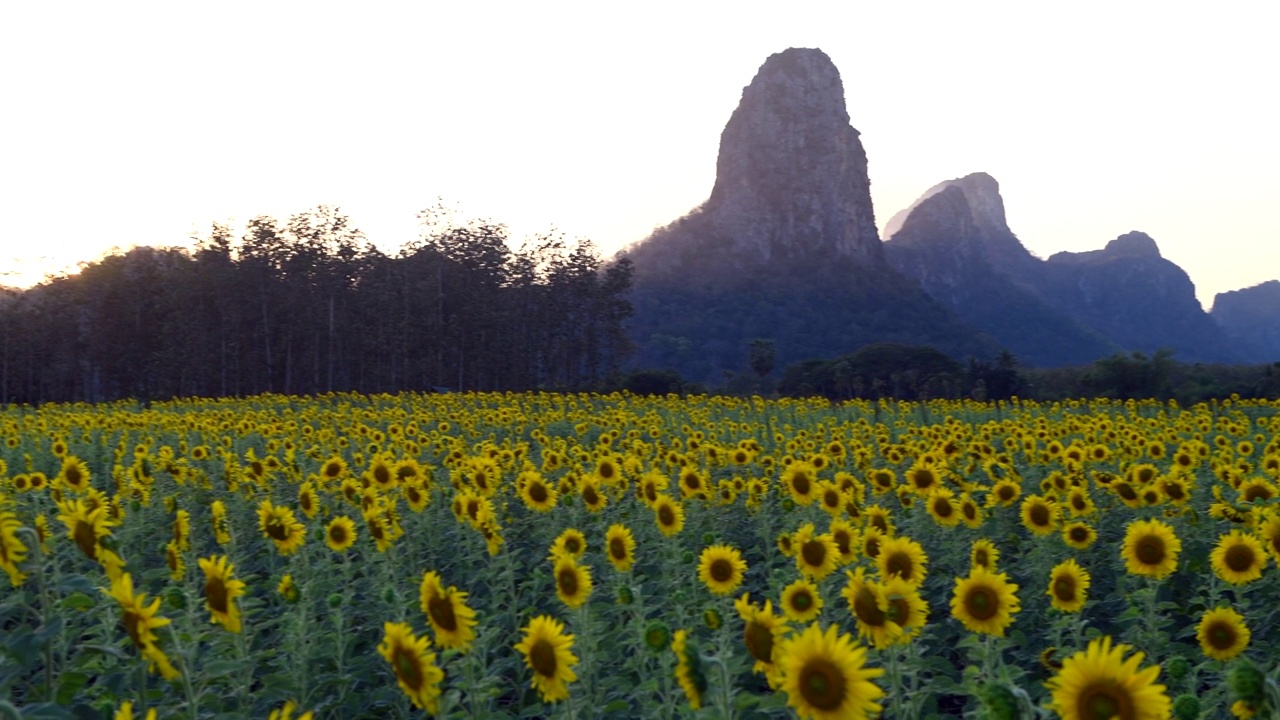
x: 585, y: 556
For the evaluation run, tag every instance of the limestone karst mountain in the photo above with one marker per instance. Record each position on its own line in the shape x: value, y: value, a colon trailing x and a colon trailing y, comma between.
x: 1071, y: 309
x: 954, y: 242
x: 1252, y: 316
x: 786, y: 245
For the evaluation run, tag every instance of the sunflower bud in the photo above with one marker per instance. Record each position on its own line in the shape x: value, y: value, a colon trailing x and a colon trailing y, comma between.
x: 625, y: 596
x: 708, y: 539
x: 1176, y: 668
x: 788, y: 504
x: 657, y: 636
x: 998, y: 702
x: 1186, y: 707
x: 712, y: 618
x: 1247, y: 683
x: 175, y: 599
x: 334, y: 600
x: 687, y: 558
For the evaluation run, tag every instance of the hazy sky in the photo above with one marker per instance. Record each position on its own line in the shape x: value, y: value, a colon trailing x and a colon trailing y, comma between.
x: 125, y: 123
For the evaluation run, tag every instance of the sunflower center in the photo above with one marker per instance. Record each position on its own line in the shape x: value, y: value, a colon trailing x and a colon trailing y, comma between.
x: 1174, y: 491
x: 814, y: 553
x: 1039, y: 515
x: 338, y: 534
x: 542, y: 656
x: 1064, y: 588
x: 131, y: 622
x: 822, y: 684
x: 867, y: 610
x: 981, y: 558
x: 942, y: 508
x: 900, y: 564
x: 721, y: 570
x: 572, y: 545
x: 617, y: 549
x: 86, y: 538
x: 606, y: 471
x: 759, y: 640
x: 872, y: 547
x: 1125, y: 491
x: 215, y: 593
x: 537, y: 492
x: 923, y: 479
x: 590, y: 495
x: 171, y: 559
x: 801, y: 483
x: 1005, y: 493
x: 567, y: 581
x: 666, y: 515
x: 1105, y: 701
x: 277, y: 530
x: 1150, y: 550
x: 898, y: 611
x: 1079, y: 534
x: 74, y: 477
x: 440, y: 608
x: 981, y: 602
x: 970, y: 512
x: 650, y: 492
x: 408, y: 668
x: 1239, y: 558
x: 1222, y: 636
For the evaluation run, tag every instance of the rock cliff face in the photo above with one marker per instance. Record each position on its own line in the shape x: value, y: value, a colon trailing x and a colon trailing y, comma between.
x: 954, y: 242
x: 1137, y: 298
x: 1071, y: 309
x: 1252, y: 316
x: 791, y: 183
x: 786, y: 245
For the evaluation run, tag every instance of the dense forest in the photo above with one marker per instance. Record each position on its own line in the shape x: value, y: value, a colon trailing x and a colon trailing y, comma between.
x: 310, y: 306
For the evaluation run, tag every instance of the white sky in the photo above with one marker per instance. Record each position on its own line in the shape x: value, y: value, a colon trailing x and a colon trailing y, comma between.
x: 124, y: 123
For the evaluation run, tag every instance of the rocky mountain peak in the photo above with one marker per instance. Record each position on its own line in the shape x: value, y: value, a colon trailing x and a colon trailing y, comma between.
x: 791, y: 177
x: 1133, y: 244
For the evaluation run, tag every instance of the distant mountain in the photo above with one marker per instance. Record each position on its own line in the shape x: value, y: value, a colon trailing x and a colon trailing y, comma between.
x: 786, y: 245
x: 1071, y: 309
x: 954, y: 242
x: 1252, y: 315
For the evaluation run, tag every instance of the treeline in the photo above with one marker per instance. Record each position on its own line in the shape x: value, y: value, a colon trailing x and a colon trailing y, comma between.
x: 310, y: 306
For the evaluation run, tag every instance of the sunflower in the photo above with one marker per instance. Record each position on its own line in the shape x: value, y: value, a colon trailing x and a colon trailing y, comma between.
x: 1079, y: 504
x: 414, y: 664
x: 816, y: 555
x: 1150, y: 548
x: 693, y: 483
x: 1222, y: 633
x: 74, y: 474
x: 416, y: 494
x: 761, y: 633
x: 846, y: 539
x: 221, y: 528
x: 85, y: 526
x: 904, y: 607
x: 592, y: 498
x: 536, y: 494
x: 221, y: 591
x: 620, y: 547
x: 288, y: 589
x: 985, y: 602
x: 801, y: 602
x: 903, y: 557
x: 721, y: 568
x: 174, y: 561
x: 125, y: 712
x: 869, y: 606
x: 1068, y: 586
x: 942, y: 507
x: 689, y: 669
x: 446, y: 609
x: 182, y: 530
x: 140, y: 621
x: 548, y: 653
x: 279, y: 525
x: 984, y: 554
x: 1270, y: 532
x: 830, y: 498
x: 308, y: 500
x: 286, y: 713
x: 1079, y: 535
x: 1100, y: 683
x: 825, y: 676
x: 1239, y: 558
x: 12, y: 549
x: 881, y: 519
x: 668, y: 514
x: 970, y: 512
x: 573, y: 581
x: 340, y: 533
x: 801, y: 481
x: 1004, y: 493
x: 1039, y: 515
x: 651, y: 485
x: 922, y: 477
x: 571, y: 542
